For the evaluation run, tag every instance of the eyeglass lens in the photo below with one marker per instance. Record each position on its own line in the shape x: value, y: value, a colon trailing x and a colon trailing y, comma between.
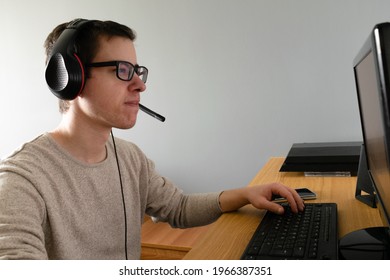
x: 125, y: 71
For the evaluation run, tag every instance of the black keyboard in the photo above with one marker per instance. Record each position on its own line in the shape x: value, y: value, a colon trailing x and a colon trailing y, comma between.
x: 311, y: 234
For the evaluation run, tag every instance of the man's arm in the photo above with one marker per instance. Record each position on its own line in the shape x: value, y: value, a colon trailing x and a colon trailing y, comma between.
x: 21, y: 216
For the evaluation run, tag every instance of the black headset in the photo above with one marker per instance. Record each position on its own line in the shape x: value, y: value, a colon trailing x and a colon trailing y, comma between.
x: 65, y: 73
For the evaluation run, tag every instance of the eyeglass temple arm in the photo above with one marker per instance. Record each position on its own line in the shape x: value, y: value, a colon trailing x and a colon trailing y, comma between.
x: 151, y: 113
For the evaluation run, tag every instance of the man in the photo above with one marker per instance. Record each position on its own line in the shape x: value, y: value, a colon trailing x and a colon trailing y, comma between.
x: 76, y: 192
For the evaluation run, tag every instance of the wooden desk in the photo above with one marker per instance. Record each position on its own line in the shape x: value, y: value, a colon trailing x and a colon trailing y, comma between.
x: 161, y: 242
x: 228, y: 237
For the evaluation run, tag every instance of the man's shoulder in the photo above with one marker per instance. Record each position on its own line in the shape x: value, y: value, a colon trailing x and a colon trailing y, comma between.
x: 27, y: 158
x: 27, y: 148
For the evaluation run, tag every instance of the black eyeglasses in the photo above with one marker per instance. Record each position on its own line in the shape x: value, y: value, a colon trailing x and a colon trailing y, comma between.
x: 124, y: 70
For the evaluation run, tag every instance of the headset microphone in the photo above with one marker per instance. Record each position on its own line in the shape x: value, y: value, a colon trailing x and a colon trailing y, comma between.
x: 152, y: 113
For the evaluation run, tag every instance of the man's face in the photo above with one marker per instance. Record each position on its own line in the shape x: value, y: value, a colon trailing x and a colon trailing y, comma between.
x: 107, y: 101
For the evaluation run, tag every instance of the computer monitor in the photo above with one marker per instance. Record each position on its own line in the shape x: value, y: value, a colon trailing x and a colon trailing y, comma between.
x: 372, y: 69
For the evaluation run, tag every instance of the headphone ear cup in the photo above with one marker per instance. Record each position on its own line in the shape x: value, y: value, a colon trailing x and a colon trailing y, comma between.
x: 65, y: 73
x: 65, y: 76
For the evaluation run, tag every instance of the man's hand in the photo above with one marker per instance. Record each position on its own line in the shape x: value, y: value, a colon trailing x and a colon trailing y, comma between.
x: 260, y: 196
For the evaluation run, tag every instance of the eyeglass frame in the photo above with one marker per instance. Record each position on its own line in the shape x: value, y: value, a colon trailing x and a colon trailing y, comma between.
x: 116, y: 63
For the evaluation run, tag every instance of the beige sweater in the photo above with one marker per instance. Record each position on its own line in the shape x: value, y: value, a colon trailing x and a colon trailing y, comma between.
x: 53, y: 206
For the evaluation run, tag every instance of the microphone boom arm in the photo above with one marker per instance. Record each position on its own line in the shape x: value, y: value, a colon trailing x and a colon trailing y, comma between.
x: 151, y: 113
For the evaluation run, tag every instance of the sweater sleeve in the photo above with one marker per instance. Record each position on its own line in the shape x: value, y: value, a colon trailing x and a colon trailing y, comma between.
x: 21, y: 217
x: 166, y: 202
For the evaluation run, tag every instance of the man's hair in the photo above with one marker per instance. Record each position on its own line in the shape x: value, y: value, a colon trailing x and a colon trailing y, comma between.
x: 87, y: 42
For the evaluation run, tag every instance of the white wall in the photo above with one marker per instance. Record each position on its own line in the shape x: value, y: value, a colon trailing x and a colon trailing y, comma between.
x: 238, y: 81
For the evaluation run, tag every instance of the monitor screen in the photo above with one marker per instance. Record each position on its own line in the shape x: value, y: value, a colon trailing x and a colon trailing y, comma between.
x: 371, y: 76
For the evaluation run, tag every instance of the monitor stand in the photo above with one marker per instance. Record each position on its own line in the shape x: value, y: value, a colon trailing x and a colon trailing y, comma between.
x: 364, y: 186
x: 370, y: 243
x: 366, y: 244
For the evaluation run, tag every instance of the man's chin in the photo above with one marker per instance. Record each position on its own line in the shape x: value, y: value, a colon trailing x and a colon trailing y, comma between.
x: 127, y: 126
